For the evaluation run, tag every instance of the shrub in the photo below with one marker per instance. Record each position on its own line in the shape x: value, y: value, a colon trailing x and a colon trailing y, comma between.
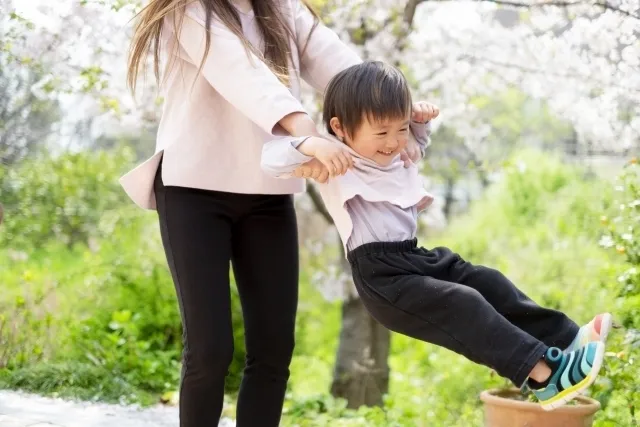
x: 87, y: 283
x: 621, y: 392
x: 60, y: 198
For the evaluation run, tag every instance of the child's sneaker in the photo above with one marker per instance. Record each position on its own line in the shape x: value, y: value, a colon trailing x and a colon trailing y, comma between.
x: 571, y: 373
x: 596, y: 330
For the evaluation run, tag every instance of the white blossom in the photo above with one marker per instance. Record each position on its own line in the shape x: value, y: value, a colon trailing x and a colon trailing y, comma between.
x: 582, y: 61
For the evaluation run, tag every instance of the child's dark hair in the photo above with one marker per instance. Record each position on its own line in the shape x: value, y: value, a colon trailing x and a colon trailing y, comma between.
x: 371, y: 88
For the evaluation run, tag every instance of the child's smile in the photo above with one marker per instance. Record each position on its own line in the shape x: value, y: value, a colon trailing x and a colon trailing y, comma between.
x: 380, y: 141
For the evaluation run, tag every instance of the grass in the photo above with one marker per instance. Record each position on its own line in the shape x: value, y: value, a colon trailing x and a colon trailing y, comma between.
x: 540, y: 226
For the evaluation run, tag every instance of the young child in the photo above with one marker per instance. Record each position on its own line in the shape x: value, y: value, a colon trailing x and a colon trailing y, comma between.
x: 429, y: 294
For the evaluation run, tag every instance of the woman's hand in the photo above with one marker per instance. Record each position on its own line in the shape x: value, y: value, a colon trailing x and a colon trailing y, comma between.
x: 312, y: 169
x: 334, y: 156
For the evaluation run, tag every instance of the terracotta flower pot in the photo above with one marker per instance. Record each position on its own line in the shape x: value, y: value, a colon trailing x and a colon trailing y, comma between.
x: 506, y: 408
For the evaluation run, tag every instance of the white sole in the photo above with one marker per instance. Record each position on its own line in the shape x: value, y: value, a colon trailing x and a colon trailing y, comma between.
x: 605, y: 326
x: 595, y: 370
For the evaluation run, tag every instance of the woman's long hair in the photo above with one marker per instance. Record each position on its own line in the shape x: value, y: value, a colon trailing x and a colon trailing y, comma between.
x: 273, y: 27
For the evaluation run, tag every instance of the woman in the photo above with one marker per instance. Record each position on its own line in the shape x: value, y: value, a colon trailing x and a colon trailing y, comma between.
x: 231, y: 82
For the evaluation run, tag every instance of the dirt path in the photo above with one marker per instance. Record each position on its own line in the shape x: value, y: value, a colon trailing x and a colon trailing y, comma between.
x: 26, y: 410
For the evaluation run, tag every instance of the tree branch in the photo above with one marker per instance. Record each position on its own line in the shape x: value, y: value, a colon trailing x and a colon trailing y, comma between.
x: 312, y: 191
x: 604, y: 5
x: 410, y: 11
x: 533, y: 70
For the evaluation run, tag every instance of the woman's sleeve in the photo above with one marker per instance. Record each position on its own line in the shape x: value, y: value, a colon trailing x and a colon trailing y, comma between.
x: 323, y: 55
x: 245, y: 81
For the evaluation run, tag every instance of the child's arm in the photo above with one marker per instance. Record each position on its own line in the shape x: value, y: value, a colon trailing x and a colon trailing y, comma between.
x: 421, y: 116
x: 421, y: 133
x: 281, y: 157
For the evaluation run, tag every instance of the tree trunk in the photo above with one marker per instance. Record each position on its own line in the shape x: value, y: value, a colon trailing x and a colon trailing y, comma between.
x: 361, y: 374
x: 449, y: 198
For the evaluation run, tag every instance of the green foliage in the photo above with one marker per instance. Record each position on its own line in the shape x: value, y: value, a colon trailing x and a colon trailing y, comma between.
x: 136, y: 332
x: 73, y: 380
x: 21, y: 317
x: 100, y: 320
x: 552, y: 254
x: 60, y: 198
x: 517, y: 120
x: 87, y: 284
x: 621, y: 393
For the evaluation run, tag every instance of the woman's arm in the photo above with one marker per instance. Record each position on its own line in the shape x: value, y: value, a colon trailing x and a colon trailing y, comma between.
x: 242, y: 79
x: 299, y: 124
x: 323, y: 55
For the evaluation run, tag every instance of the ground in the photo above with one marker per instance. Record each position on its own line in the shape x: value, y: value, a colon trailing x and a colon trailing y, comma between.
x: 26, y: 410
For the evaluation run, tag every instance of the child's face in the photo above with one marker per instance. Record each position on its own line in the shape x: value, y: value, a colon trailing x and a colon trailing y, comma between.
x: 380, y: 141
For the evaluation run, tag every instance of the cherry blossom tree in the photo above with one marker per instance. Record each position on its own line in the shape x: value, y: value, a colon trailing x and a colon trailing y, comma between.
x: 579, y: 59
x: 80, y: 49
x: 25, y: 119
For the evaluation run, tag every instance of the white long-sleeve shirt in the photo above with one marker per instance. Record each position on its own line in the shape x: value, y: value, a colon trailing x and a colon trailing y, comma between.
x: 369, y: 203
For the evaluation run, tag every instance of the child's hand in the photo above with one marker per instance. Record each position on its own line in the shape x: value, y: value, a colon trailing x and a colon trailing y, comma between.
x: 332, y: 155
x: 424, y: 112
x: 411, y: 153
x: 407, y: 158
x: 312, y: 169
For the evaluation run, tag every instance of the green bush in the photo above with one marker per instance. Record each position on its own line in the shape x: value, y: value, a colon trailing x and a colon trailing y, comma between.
x: 76, y: 380
x: 621, y: 393
x: 552, y: 254
x: 100, y: 320
x: 87, y: 283
x: 136, y: 331
x: 59, y: 198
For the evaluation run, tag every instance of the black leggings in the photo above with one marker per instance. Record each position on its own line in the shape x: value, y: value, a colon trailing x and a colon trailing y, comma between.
x: 202, y: 231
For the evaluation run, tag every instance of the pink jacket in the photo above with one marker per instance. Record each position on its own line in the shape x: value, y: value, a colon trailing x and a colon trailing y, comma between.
x: 212, y: 132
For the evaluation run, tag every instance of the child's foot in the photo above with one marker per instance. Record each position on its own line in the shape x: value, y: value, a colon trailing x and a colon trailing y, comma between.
x: 571, y: 373
x: 596, y: 330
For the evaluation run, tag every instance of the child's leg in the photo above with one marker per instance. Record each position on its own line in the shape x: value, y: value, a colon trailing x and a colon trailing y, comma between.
x: 461, y: 319
x: 552, y: 327
x: 452, y: 316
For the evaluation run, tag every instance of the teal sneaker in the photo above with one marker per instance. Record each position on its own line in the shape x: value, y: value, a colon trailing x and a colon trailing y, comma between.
x: 596, y: 330
x: 571, y: 374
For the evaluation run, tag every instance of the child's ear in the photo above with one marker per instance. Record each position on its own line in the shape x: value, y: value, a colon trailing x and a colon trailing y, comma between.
x: 336, y: 127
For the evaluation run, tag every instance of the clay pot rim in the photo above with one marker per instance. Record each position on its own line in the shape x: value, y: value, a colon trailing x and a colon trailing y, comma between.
x: 588, y: 405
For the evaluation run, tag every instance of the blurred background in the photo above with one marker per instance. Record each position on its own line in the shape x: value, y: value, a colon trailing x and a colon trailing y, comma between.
x: 534, y: 164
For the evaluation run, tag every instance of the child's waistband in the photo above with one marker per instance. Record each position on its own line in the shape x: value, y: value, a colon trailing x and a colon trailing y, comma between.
x: 381, y: 247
